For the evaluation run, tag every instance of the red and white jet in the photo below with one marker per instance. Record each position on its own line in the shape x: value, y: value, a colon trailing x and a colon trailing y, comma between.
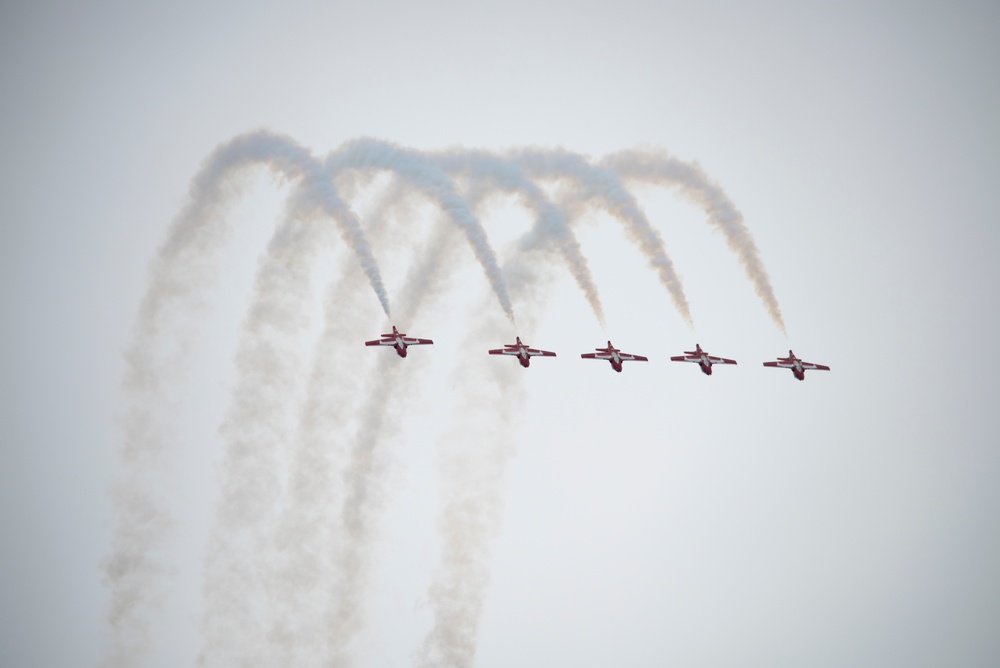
x: 613, y: 355
x: 797, y: 366
x: 523, y: 352
x: 701, y: 358
x: 399, y: 341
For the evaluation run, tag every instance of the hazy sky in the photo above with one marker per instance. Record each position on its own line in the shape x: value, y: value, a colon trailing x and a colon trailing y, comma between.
x: 656, y: 517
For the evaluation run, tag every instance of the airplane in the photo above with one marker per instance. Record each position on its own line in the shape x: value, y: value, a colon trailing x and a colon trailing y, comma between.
x: 523, y: 352
x: 797, y: 366
x: 399, y: 341
x: 703, y: 359
x: 613, y: 355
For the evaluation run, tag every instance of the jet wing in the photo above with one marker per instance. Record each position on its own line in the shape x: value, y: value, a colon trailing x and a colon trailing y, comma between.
x: 505, y: 351
x: 381, y: 342
x: 720, y: 360
x: 535, y: 352
x: 817, y: 367
x: 685, y: 358
x: 606, y: 355
x: 410, y: 341
x: 782, y: 364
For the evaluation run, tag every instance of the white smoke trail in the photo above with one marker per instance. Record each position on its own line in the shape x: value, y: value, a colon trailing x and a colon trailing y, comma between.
x: 324, y: 195
x: 304, y: 574
x: 423, y: 174
x: 303, y: 577
x: 179, y: 276
x: 473, y: 464
x: 239, y: 622
x: 255, y: 429
x: 135, y: 570
x: 342, y: 578
x: 603, y: 186
x: 190, y: 238
x: 692, y: 183
x: 369, y: 462
x: 550, y: 222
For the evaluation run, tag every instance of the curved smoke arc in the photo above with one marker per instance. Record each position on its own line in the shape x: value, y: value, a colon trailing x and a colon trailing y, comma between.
x: 550, y: 227
x: 303, y: 580
x: 691, y: 182
x: 422, y: 173
x: 602, y: 185
x: 183, y: 268
x: 179, y: 275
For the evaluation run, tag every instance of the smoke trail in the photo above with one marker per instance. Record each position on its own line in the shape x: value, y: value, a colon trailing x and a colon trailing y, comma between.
x: 603, y: 185
x: 550, y: 222
x: 190, y: 238
x: 341, y: 579
x: 689, y: 179
x: 179, y: 276
x: 364, y: 481
x: 303, y: 578
x: 294, y: 161
x: 324, y: 195
x: 236, y: 603
x: 422, y: 173
x: 134, y: 571
x: 256, y: 427
x: 473, y: 464
x: 364, y: 476
x: 472, y: 461
x: 304, y: 575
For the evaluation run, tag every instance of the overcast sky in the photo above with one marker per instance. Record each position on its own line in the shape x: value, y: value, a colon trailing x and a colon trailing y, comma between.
x: 656, y: 517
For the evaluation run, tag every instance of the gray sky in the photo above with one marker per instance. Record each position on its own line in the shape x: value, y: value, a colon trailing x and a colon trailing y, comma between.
x: 650, y: 518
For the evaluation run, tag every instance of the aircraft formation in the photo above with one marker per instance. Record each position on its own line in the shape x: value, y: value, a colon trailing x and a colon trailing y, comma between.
x: 400, y: 341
